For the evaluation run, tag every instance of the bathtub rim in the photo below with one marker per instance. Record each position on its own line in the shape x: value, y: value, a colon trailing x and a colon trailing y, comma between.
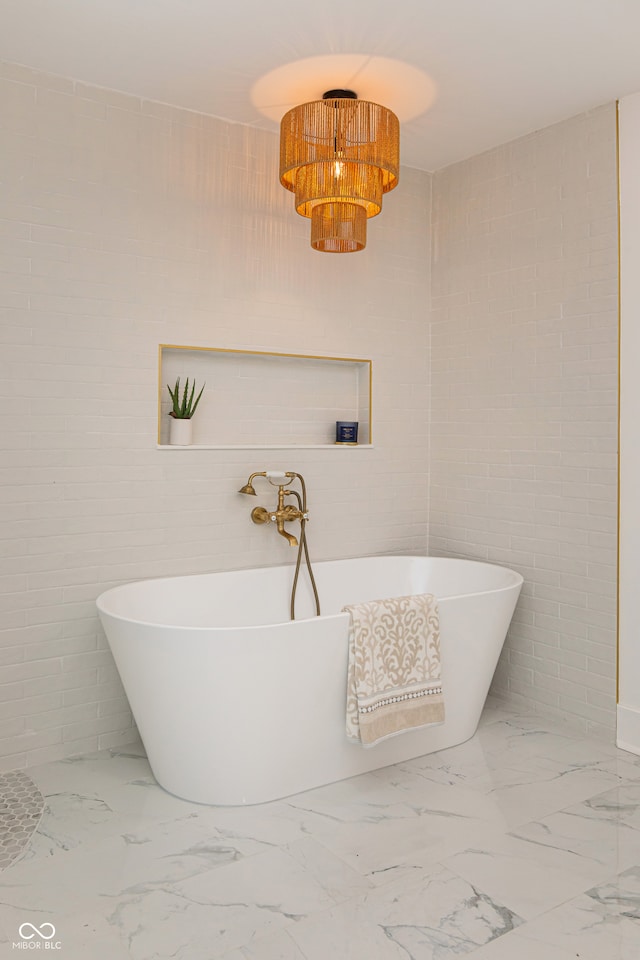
x: 517, y: 581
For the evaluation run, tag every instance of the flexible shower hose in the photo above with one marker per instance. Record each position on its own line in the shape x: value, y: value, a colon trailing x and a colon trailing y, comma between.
x: 302, y: 546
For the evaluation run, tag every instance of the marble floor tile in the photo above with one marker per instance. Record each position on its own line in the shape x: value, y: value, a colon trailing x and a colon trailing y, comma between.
x: 72, y: 819
x: 440, y: 915
x: 265, y: 825
x: 511, y: 743
x: 605, y: 829
x: 543, y: 785
x: 149, y: 857
x: 278, y: 946
x: 99, y: 790
x: 521, y: 844
x: 513, y: 946
x: 395, y: 823
x: 230, y: 907
x: 603, y: 922
x: 378, y: 846
x: 339, y: 879
x: 171, y: 869
x: 5, y: 942
x: 532, y: 878
x: 102, y: 770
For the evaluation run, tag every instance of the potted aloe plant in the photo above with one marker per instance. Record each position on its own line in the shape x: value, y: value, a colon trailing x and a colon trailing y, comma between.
x: 184, y: 404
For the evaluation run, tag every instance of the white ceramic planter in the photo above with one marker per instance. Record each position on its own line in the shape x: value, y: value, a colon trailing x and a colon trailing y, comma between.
x: 180, y: 432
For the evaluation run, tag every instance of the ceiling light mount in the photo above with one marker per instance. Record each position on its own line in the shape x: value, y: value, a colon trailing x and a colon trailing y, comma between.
x: 339, y: 162
x: 339, y: 95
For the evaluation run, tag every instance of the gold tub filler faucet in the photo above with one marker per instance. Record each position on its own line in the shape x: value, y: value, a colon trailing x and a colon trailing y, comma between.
x: 286, y: 513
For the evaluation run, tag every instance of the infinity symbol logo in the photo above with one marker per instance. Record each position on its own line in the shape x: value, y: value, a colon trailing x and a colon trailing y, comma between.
x: 40, y: 931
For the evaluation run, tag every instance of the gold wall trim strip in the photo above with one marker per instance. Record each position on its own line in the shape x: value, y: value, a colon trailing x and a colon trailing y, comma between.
x: 263, y: 353
x: 619, y: 394
x: 160, y: 388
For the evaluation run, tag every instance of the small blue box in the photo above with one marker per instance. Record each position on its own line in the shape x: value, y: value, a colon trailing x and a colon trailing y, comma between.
x: 347, y: 431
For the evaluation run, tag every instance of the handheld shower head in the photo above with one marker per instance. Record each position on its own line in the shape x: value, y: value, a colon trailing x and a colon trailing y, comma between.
x: 277, y: 478
x: 248, y: 487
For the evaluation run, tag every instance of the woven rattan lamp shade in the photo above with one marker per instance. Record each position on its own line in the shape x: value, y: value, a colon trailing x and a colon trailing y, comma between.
x: 335, y: 152
x: 338, y: 227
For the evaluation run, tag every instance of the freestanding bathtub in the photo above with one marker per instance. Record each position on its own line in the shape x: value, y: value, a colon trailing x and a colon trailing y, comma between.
x: 236, y: 704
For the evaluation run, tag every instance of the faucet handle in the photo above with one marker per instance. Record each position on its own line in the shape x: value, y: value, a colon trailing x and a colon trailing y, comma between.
x: 278, y: 478
x: 261, y: 515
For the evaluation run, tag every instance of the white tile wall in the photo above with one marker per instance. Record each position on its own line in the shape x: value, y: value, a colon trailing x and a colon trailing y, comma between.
x: 124, y: 224
x: 524, y: 399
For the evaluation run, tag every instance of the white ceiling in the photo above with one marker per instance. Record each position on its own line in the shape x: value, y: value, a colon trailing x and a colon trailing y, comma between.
x: 498, y: 68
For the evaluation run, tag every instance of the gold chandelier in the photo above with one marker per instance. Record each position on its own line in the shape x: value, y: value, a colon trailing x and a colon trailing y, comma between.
x: 339, y: 155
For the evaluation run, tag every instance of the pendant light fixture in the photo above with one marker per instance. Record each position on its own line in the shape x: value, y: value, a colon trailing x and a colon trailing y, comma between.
x: 339, y: 155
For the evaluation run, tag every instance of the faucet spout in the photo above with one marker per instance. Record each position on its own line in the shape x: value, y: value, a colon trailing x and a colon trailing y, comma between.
x: 288, y: 536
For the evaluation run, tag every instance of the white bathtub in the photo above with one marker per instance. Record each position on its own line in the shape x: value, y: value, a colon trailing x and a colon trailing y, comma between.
x: 236, y: 704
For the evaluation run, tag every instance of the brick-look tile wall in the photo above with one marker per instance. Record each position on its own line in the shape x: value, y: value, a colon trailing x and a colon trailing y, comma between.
x: 125, y: 224
x: 524, y: 399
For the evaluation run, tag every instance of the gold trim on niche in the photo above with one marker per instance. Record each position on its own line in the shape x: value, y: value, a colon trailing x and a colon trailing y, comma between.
x: 264, y: 353
x: 160, y: 391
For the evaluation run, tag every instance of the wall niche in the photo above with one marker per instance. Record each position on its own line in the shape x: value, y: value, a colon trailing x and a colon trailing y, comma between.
x: 256, y: 400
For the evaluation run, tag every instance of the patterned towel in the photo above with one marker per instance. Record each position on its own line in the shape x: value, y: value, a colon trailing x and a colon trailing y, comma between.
x: 393, y: 681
